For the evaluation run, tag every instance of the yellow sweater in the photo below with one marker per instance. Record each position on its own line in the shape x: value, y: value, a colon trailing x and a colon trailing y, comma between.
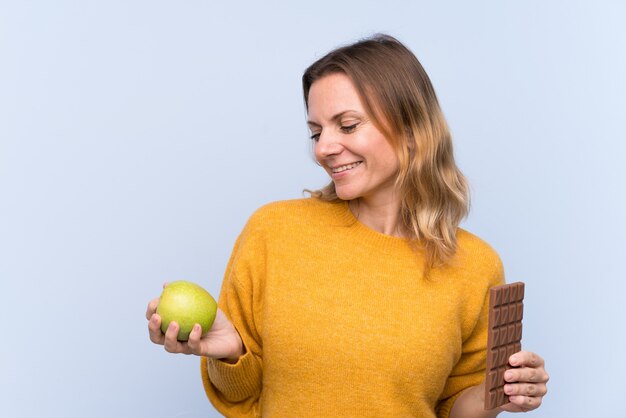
x: 338, y: 321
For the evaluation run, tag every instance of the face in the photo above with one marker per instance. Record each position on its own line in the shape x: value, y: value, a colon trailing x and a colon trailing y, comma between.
x: 354, y: 153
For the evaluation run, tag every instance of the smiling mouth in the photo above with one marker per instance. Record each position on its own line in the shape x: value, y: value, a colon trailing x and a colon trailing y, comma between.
x: 345, y: 167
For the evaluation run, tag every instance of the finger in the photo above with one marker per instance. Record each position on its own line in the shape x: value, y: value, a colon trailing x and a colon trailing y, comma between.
x: 526, y: 358
x: 165, y: 284
x: 194, y: 342
x: 154, y: 328
x: 526, y: 374
x: 171, y: 338
x: 171, y: 343
x: 152, y: 308
x: 525, y: 403
x: 525, y: 389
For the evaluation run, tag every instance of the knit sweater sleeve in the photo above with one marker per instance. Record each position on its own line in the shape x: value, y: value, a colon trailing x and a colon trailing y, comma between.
x: 234, y: 389
x: 470, y: 368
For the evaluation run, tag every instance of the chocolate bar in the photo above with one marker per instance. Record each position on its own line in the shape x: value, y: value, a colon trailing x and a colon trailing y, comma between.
x: 506, y: 309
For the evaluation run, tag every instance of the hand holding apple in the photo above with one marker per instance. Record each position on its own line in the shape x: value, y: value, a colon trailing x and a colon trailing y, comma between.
x: 221, y: 340
x: 186, y: 304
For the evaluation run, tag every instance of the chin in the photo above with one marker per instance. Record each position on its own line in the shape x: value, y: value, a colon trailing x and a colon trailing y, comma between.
x: 344, y: 194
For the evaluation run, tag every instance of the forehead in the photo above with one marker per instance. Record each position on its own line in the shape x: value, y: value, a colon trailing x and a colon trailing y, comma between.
x: 332, y: 94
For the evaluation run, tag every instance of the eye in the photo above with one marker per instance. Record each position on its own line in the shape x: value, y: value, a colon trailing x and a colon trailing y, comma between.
x: 348, y: 129
x: 315, y: 137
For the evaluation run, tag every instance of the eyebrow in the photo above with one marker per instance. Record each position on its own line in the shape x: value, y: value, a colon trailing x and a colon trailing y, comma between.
x: 334, y: 118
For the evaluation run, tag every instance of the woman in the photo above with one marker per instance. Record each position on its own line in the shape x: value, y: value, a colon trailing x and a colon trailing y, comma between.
x: 365, y: 299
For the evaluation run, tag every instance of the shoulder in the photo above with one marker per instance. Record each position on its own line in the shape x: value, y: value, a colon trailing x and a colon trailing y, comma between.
x: 476, y: 247
x: 294, y: 212
x: 276, y: 226
x: 272, y: 225
x: 289, y: 206
x: 478, y: 258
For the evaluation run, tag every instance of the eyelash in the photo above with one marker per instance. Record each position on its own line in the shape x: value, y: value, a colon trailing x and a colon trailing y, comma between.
x: 344, y: 129
x: 348, y: 129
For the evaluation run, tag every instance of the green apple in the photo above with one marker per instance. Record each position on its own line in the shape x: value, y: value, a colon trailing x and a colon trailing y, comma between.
x: 187, y: 304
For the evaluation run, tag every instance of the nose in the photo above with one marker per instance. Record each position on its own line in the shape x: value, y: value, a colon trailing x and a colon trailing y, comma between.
x: 328, y: 145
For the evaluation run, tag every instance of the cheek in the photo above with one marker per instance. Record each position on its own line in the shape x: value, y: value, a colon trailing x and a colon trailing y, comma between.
x: 317, y: 154
x: 388, y: 158
x: 394, y: 163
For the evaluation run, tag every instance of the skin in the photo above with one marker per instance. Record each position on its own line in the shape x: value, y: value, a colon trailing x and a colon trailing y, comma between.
x: 344, y: 134
x: 221, y: 342
x: 526, y: 388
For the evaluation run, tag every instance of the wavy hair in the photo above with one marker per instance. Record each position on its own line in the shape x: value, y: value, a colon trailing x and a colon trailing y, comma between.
x: 400, y: 100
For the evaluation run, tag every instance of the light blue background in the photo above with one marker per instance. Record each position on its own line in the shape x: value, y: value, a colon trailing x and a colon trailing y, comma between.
x: 136, y: 137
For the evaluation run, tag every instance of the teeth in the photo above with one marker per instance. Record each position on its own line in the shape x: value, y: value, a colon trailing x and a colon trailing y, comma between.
x: 345, y: 167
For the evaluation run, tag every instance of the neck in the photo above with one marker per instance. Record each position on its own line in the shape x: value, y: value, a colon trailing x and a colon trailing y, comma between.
x: 382, y: 216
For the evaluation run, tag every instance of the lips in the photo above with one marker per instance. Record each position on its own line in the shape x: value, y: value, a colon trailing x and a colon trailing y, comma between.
x: 345, y: 167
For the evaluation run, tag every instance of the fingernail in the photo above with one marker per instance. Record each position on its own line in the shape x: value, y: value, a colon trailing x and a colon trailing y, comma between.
x: 196, y: 327
x: 513, y: 360
x: 508, y: 376
x: 508, y: 389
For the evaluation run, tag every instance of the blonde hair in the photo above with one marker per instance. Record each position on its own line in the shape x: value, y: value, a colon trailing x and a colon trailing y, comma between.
x: 399, y: 97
